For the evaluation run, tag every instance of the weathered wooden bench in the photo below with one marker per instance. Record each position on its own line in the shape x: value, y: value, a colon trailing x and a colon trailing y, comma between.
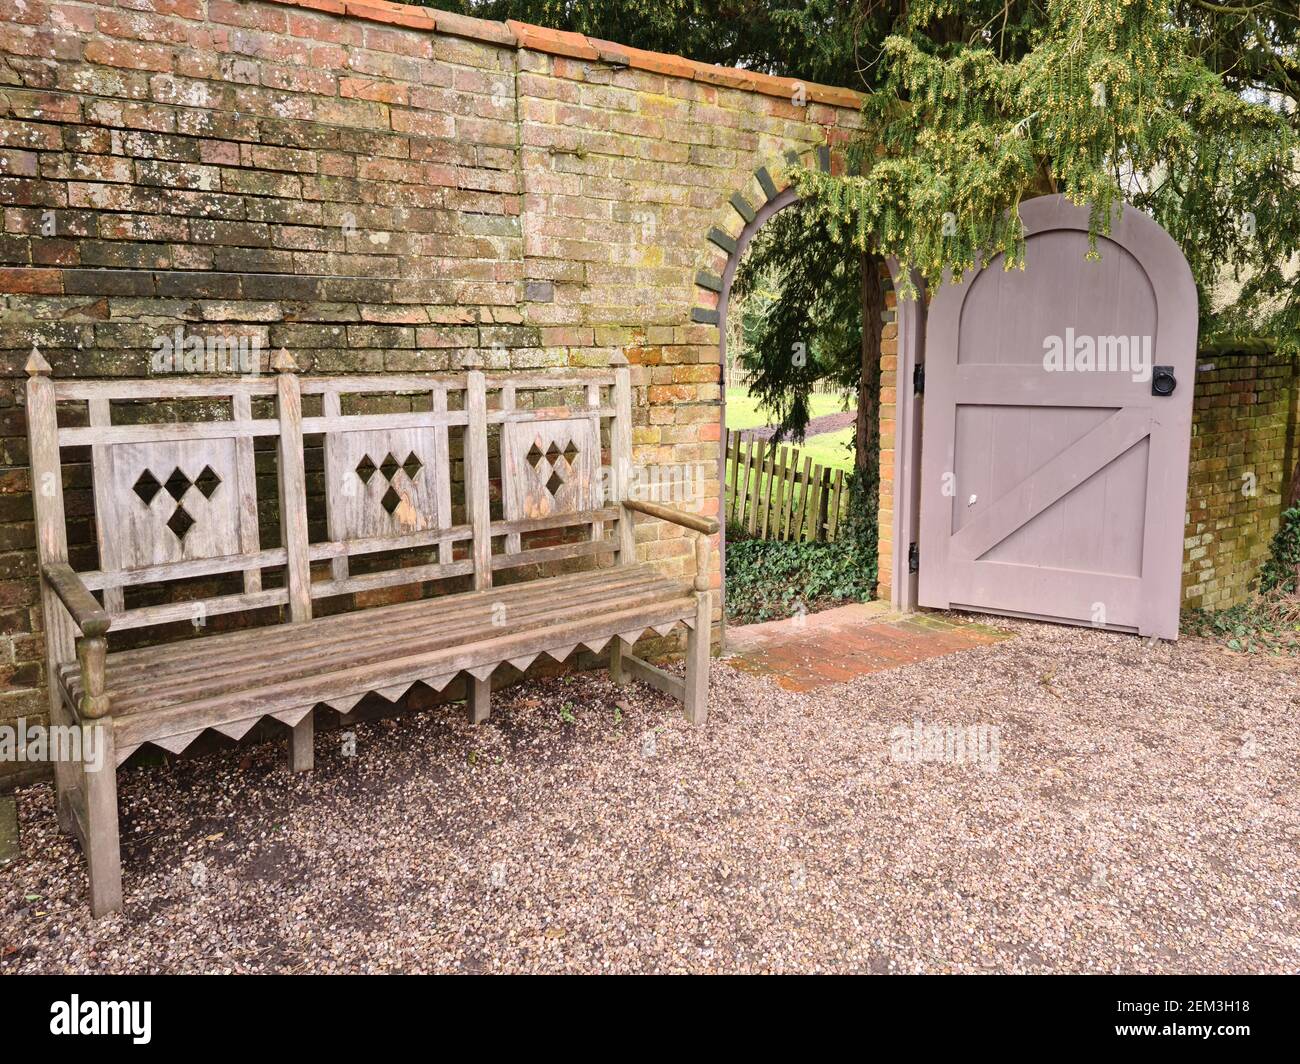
x: 410, y: 464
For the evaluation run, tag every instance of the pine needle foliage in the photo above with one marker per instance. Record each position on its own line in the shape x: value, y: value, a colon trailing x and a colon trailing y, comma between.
x: 803, y: 322
x: 1107, y: 101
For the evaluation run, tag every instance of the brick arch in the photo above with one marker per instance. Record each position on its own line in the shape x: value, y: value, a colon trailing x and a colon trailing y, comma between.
x: 735, y: 222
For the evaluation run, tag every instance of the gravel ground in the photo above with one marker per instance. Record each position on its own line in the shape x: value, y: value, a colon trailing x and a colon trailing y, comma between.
x: 1143, y: 816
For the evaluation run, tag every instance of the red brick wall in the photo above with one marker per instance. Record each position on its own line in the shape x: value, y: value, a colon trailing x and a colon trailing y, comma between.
x: 386, y: 189
x: 1244, y: 447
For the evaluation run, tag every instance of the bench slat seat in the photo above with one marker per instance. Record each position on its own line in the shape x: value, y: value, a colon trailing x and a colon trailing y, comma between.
x: 171, y: 690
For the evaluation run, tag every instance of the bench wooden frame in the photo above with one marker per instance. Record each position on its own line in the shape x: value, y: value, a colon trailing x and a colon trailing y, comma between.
x: 168, y: 696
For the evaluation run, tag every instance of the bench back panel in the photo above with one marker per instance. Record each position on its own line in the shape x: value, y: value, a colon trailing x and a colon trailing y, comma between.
x: 550, y: 467
x: 171, y: 502
x: 472, y: 482
x: 388, y: 479
x: 385, y: 483
x: 174, y: 489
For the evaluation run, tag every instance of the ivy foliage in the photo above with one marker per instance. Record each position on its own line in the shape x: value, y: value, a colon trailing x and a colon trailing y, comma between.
x: 1267, y: 623
x: 770, y: 579
x: 1280, y: 571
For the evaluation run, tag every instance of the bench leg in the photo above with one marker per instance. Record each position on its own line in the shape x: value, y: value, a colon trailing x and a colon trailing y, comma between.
x: 616, y: 671
x: 478, y: 698
x: 67, y: 774
x: 99, y: 789
x: 302, y: 747
x: 697, y: 661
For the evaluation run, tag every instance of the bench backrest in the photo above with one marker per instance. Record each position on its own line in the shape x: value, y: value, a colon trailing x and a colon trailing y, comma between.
x: 466, y: 470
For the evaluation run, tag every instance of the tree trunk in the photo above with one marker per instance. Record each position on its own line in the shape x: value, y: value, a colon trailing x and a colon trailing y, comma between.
x: 867, y: 428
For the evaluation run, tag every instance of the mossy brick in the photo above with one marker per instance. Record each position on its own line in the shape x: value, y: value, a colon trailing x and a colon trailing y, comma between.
x: 294, y: 335
x: 389, y: 336
x: 447, y: 336
x: 251, y: 260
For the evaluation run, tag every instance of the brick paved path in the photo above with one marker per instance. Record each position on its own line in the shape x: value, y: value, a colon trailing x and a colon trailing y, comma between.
x: 833, y: 646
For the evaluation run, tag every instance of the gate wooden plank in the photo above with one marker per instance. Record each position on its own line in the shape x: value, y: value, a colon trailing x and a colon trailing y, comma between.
x: 1051, y: 481
x: 789, y: 495
x: 837, y: 500
x: 815, y: 504
x: 774, y: 485
x: 746, y: 472
x: 801, y: 523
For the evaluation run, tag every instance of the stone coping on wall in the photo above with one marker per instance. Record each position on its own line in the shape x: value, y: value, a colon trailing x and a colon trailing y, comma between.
x: 515, y: 34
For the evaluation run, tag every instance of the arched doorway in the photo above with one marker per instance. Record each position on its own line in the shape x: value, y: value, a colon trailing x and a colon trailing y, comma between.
x: 909, y: 318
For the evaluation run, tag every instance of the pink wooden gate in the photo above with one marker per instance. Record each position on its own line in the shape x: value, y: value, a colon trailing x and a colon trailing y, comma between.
x: 1054, y: 452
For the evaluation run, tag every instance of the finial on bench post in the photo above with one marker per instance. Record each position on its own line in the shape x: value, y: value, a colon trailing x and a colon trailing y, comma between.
x: 703, y: 561
x: 36, y: 364
x: 283, y: 362
x: 472, y: 361
x: 618, y: 358
x: 91, y: 652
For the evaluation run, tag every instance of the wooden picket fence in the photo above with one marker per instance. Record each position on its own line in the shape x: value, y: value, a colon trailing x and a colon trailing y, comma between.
x: 772, y: 495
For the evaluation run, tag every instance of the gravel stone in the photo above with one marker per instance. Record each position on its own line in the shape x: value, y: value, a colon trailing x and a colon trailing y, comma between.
x: 1143, y: 817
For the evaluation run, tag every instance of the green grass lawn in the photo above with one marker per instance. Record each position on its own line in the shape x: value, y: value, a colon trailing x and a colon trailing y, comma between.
x: 743, y: 411
x: 833, y: 449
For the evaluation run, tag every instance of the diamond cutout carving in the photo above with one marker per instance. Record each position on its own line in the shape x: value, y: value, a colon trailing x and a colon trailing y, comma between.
x: 570, y: 452
x: 392, y: 499
x: 207, y: 482
x: 177, y: 484
x: 554, y: 484
x: 147, y: 487
x: 534, y: 456
x: 553, y: 452
x: 180, y: 522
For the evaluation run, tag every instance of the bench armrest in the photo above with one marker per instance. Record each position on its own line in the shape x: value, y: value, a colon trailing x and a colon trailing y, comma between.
x: 87, y: 614
x: 705, y: 525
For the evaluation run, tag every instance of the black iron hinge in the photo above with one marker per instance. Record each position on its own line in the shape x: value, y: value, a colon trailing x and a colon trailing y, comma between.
x: 913, y: 559
x: 918, y: 379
